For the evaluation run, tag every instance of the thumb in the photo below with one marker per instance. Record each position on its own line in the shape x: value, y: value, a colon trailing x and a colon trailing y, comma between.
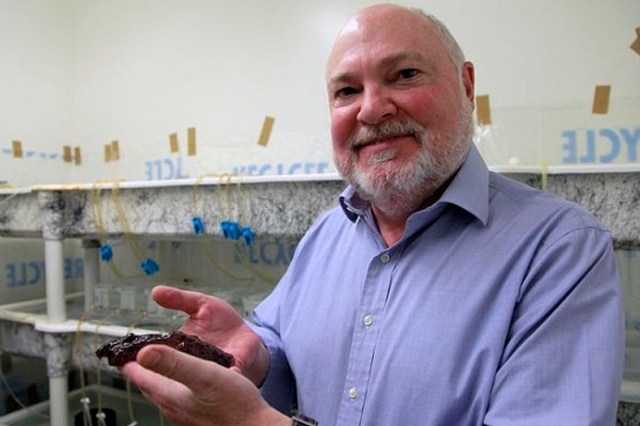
x: 195, y: 373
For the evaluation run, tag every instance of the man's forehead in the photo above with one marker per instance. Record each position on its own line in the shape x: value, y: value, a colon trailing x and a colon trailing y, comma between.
x: 383, y: 29
x: 352, y: 26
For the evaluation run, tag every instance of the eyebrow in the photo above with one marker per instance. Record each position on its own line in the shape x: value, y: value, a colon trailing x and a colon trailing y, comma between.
x: 402, y: 56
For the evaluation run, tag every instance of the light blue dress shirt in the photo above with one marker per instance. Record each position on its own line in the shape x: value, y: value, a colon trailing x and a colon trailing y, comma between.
x: 500, y: 305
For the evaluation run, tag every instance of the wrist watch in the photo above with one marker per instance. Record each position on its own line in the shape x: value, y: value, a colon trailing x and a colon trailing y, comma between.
x: 300, y: 420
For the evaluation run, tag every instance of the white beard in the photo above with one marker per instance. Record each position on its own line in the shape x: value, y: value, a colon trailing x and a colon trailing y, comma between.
x: 402, y: 189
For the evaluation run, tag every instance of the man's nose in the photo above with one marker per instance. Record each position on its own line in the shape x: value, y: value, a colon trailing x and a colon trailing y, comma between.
x: 376, y: 106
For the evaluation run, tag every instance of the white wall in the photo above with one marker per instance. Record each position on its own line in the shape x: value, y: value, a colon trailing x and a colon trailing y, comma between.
x: 86, y: 72
x: 36, y: 58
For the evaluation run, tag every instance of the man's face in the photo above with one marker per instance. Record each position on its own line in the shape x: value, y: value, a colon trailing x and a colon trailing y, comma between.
x: 400, y: 110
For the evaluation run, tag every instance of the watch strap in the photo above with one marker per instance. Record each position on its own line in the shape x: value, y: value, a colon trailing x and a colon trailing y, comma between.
x: 301, y: 420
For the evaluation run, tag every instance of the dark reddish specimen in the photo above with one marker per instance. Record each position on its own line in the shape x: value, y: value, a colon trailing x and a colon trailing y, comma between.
x: 120, y: 351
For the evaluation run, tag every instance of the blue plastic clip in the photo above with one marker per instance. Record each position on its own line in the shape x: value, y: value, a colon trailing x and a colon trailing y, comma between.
x: 198, y: 226
x: 106, y: 252
x: 249, y: 236
x: 149, y: 266
x: 234, y: 230
x: 225, y: 228
x: 231, y: 230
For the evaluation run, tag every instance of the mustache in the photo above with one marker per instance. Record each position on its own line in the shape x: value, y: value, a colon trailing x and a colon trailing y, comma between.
x: 389, y: 129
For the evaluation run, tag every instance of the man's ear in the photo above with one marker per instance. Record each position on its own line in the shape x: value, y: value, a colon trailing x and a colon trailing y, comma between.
x: 468, y: 76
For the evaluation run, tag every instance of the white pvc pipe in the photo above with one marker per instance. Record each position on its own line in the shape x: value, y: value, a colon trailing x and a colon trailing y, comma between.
x: 91, y: 258
x: 58, y: 400
x: 54, y: 266
x: 56, y: 313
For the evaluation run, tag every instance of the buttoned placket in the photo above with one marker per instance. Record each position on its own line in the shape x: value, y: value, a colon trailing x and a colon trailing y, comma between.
x: 370, y: 311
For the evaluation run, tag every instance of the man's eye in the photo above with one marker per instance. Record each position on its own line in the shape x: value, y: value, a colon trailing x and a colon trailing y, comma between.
x: 345, y: 91
x: 407, y: 73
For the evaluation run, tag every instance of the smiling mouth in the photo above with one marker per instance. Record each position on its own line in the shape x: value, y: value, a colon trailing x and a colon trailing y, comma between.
x: 380, y: 141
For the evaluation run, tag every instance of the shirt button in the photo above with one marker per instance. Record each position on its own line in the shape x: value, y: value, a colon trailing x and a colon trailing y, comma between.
x: 367, y: 320
x: 353, y: 393
x: 384, y: 258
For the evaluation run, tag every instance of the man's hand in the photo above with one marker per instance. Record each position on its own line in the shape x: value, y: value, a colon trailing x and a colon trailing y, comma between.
x: 194, y: 392
x: 215, y: 321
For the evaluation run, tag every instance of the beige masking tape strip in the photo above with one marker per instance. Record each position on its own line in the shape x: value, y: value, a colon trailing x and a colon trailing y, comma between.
x: 66, y: 154
x: 601, y: 100
x: 173, y: 143
x: 17, y: 149
x: 483, y: 110
x: 635, y: 46
x: 265, y: 134
x: 191, y: 141
x: 544, y: 177
x: 115, y: 150
x: 107, y: 153
x: 77, y: 156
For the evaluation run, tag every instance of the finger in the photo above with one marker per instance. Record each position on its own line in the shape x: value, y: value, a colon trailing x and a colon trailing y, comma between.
x: 196, y: 374
x: 177, y: 299
x: 197, y: 305
x: 171, y: 397
x: 156, y: 387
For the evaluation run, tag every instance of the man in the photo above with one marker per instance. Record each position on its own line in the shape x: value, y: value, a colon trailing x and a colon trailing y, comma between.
x: 437, y: 293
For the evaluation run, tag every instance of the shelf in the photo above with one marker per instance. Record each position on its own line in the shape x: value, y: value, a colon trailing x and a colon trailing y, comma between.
x: 165, y: 209
x: 108, y: 211
x: 630, y: 391
x: 23, y: 327
x: 128, y: 407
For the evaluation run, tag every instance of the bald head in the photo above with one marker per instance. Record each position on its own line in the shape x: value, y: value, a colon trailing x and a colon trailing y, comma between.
x: 405, y: 19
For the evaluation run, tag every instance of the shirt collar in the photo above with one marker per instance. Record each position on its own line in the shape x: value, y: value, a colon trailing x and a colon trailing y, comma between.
x: 468, y: 190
